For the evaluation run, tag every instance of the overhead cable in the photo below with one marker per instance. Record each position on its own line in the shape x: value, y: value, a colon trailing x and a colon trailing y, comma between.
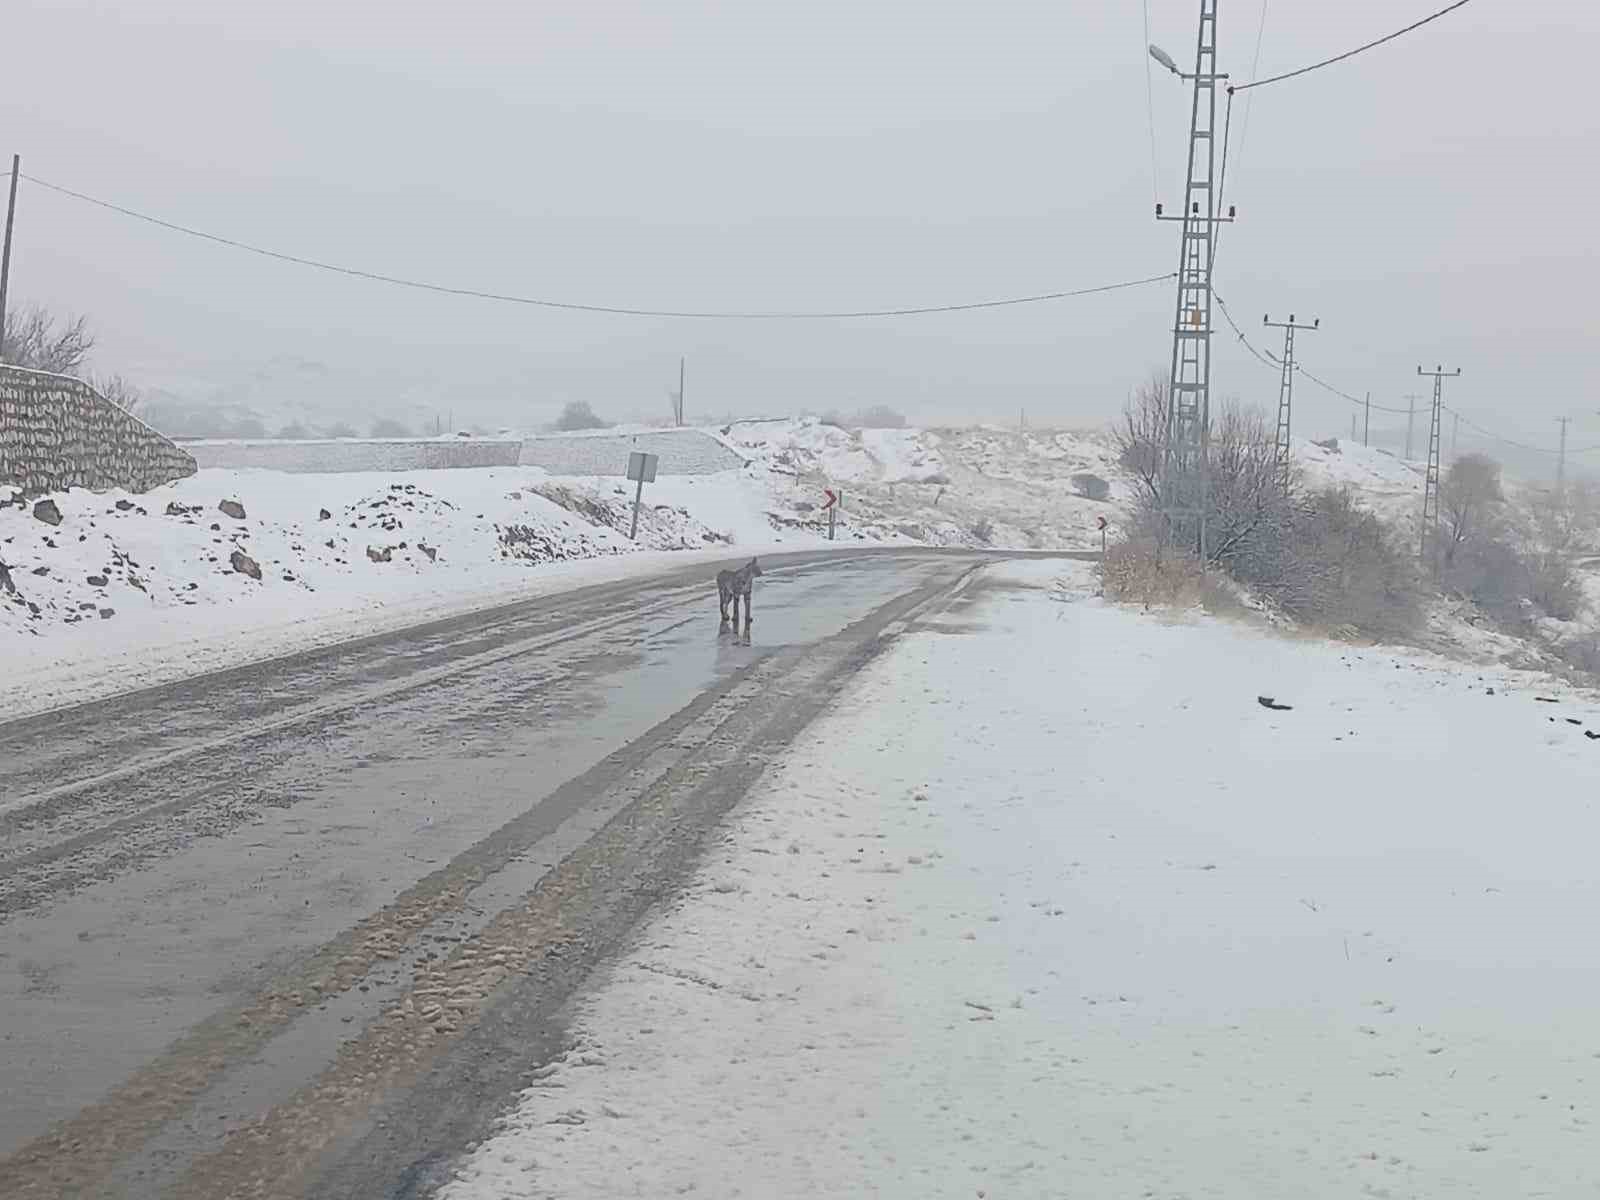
x: 610, y: 309
x: 1328, y: 62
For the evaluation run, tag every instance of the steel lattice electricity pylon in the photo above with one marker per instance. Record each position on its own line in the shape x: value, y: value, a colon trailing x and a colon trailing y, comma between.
x: 1185, y: 455
x: 1430, y: 484
x: 1283, y: 452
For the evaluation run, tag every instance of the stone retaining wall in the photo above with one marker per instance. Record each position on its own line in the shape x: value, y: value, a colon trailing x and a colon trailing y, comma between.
x: 357, y: 454
x: 57, y: 433
x: 682, y: 451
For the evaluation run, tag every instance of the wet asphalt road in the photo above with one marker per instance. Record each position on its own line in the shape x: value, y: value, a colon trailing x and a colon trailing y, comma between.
x: 302, y: 928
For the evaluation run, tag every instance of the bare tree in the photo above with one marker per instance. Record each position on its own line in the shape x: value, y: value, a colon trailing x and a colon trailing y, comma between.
x: 1143, y: 432
x: 118, y: 391
x: 1243, y: 492
x: 1468, y: 495
x: 578, y: 415
x: 34, y: 339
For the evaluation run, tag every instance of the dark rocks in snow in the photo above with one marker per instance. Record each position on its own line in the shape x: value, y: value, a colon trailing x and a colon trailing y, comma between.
x: 5, y: 579
x: 41, y: 570
x: 1269, y: 702
x: 174, y: 509
x: 107, y: 613
x: 215, y: 528
x: 98, y: 581
x: 323, y: 514
x: 1547, y: 700
x: 124, y: 505
x: 430, y: 551
x: 46, y: 510
x: 232, y: 508
x: 1591, y: 735
x: 244, y: 564
x: 1574, y: 721
x: 377, y: 555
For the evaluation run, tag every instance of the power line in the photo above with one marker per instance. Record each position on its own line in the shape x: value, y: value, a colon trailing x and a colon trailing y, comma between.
x: 571, y: 306
x: 1328, y: 62
x: 1266, y: 360
x: 1255, y: 64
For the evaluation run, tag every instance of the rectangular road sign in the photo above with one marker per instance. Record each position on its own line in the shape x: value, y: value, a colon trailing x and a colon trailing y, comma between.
x: 642, y: 466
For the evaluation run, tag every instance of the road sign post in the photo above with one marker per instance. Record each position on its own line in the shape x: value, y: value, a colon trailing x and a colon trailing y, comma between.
x: 831, y: 507
x: 1101, y: 522
x: 641, y: 467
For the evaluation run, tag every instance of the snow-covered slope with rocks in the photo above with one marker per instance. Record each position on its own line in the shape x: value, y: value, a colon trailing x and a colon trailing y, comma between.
x: 951, y: 487
x: 130, y: 590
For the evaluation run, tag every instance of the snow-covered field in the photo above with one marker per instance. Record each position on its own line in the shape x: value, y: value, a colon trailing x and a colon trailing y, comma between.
x: 1050, y: 905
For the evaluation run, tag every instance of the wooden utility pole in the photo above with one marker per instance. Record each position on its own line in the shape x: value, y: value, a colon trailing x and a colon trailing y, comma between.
x: 5, y: 255
x: 1366, y: 426
x: 1561, y: 460
x: 681, y: 397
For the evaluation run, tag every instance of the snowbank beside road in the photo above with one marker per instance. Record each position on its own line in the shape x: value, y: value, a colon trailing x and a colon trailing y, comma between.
x: 132, y: 590
x: 1049, y: 905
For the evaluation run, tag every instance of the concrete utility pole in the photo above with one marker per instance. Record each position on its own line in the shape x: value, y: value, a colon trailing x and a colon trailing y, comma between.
x: 1411, y: 399
x: 1284, y: 453
x: 1366, y: 421
x: 1561, y: 459
x: 1430, y: 485
x: 5, y: 255
x: 681, y: 397
x: 1187, y: 434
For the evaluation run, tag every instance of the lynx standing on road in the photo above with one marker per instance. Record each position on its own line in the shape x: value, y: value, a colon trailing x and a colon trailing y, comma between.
x: 731, y: 585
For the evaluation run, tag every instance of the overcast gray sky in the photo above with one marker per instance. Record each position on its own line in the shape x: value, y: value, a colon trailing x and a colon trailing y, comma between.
x: 1432, y: 200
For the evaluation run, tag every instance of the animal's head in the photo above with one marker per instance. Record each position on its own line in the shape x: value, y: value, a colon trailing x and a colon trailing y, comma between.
x: 755, y: 567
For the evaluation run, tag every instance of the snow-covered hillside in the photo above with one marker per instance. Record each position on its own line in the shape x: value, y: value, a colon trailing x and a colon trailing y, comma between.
x: 952, y: 487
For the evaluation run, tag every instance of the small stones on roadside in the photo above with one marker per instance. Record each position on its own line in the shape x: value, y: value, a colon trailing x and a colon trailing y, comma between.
x: 232, y: 508
x: 48, y: 511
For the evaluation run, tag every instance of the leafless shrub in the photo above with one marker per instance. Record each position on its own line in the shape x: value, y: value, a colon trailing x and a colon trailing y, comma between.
x: 1327, y: 562
x: 983, y: 530
x: 118, y: 391
x: 34, y: 339
x: 578, y: 415
x: 1469, y: 494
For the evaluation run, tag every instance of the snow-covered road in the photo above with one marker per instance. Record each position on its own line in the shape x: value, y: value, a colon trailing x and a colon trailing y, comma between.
x: 1050, y: 905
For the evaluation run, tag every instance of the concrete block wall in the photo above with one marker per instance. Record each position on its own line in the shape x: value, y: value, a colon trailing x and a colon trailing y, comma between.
x: 57, y: 432
x: 682, y: 452
x: 358, y: 454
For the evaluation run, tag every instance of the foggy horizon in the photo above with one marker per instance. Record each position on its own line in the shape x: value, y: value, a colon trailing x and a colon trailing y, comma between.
x: 803, y: 159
